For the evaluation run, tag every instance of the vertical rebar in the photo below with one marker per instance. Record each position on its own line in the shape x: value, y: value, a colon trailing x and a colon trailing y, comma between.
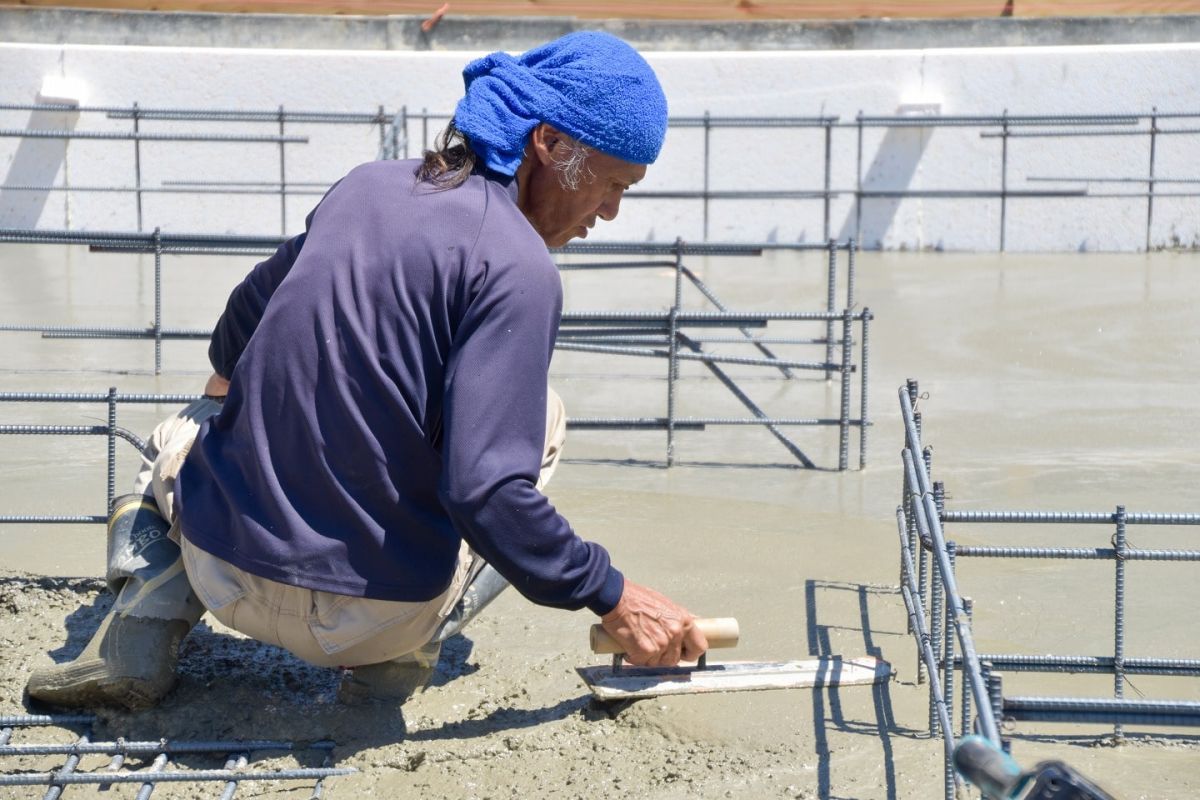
x: 707, y: 135
x: 858, y: 187
x: 5, y: 736
x: 678, y: 304
x: 673, y: 352
x: 157, y: 301
x: 424, y: 129
x: 910, y: 532
x: 404, y: 128
x: 922, y: 552
x: 948, y: 647
x: 907, y: 500
x: 851, y: 258
x: 995, y: 687
x: 282, y: 178
x: 137, y: 164
x: 384, y: 153
x: 830, y: 303
x: 237, y: 761
x: 56, y: 789
x: 936, y: 610
x: 160, y: 764
x: 865, y: 359
x: 968, y: 609
x: 1003, y: 177
x: 1150, y: 185
x: 828, y: 192
x: 1119, y: 616
x: 671, y: 364
x: 112, y: 448
x: 844, y: 419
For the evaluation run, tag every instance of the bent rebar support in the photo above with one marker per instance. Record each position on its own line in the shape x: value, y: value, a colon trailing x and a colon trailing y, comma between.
x: 237, y: 770
x: 920, y: 518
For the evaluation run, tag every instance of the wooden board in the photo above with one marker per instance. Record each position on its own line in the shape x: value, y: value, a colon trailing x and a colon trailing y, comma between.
x: 631, y: 683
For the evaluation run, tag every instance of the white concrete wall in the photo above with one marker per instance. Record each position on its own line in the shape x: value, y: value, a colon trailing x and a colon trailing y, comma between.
x: 1027, y: 80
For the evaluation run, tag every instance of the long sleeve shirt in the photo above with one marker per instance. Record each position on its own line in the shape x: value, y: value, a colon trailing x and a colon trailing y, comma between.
x: 388, y: 399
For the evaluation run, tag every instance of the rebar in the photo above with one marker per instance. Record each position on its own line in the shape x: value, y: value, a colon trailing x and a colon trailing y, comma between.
x: 634, y: 423
x: 112, y: 448
x: 37, y: 720
x: 1078, y: 553
x: 926, y: 513
x: 708, y: 358
x: 916, y: 621
x: 232, y: 138
x: 1102, y: 710
x: 1071, y: 517
x: 73, y: 430
x: 182, y: 776
x: 830, y: 301
x: 1119, y: 614
x: 737, y: 392
x: 128, y: 748
x: 864, y: 419
x: 712, y: 298
x: 158, y: 332
x: 234, y: 763
x: 1013, y: 662
x: 928, y: 507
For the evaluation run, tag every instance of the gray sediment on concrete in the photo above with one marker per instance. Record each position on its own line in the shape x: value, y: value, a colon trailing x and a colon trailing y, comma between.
x: 344, y: 32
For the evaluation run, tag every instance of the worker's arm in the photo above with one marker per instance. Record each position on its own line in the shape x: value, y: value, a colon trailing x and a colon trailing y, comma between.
x: 494, y: 421
x: 245, y: 308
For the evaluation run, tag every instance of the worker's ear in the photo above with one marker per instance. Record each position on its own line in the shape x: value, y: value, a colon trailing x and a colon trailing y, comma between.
x: 545, y: 141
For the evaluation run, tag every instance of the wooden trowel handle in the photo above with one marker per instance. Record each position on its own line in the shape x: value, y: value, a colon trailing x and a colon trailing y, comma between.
x: 720, y: 632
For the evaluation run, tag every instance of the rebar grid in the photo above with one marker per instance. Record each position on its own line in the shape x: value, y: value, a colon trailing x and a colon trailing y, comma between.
x: 920, y: 518
x: 238, y: 768
x: 395, y: 142
x: 603, y: 332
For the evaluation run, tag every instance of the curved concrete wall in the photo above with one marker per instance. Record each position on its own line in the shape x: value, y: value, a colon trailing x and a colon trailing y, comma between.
x: 1023, y: 80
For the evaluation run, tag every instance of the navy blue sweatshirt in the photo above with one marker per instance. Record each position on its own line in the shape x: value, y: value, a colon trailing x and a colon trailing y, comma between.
x: 388, y: 399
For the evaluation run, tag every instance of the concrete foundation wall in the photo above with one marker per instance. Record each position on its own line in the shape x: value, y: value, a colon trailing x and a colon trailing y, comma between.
x: 979, y: 80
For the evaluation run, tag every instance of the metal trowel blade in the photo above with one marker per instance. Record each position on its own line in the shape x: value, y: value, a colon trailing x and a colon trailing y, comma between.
x: 631, y: 683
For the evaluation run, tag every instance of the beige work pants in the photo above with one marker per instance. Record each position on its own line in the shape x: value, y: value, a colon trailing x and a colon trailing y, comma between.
x: 322, y: 628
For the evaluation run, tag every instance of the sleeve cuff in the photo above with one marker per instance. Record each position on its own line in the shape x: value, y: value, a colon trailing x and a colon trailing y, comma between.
x: 609, y: 595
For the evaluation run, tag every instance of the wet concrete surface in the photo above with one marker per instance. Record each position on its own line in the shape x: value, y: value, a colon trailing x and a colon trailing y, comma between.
x: 1050, y: 383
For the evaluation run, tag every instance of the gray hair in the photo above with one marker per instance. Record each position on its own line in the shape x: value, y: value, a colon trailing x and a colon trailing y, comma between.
x: 573, y: 168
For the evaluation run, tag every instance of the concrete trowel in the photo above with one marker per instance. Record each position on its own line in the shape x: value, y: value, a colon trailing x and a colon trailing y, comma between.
x: 620, y: 681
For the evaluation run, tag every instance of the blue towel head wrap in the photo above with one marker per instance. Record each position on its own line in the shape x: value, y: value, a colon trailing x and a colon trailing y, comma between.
x: 588, y: 84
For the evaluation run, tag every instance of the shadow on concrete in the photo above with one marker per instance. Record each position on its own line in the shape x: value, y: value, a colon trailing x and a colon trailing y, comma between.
x: 827, y: 704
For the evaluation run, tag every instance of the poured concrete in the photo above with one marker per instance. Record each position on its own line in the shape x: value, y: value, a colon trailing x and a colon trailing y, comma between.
x: 1054, y: 383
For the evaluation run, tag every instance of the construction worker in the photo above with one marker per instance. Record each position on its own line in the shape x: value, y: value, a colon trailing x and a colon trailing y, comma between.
x: 363, y: 474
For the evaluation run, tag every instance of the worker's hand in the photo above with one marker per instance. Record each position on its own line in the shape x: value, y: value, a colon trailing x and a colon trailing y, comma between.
x: 652, y: 630
x: 216, y: 386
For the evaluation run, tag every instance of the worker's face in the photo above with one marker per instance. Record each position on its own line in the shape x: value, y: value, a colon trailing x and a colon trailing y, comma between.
x: 557, y: 212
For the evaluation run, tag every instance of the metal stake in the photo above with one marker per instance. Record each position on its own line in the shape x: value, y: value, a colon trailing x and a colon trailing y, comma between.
x: 1119, y: 618
x: 1150, y: 185
x: 282, y: 177
x: 158, y: 300
x: 137, y: 163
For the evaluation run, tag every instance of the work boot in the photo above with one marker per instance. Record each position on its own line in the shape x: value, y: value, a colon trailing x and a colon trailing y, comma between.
x: 482, y: 588
x: 392, y: 681
x: 399, y: 679
x: 130, y: 661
